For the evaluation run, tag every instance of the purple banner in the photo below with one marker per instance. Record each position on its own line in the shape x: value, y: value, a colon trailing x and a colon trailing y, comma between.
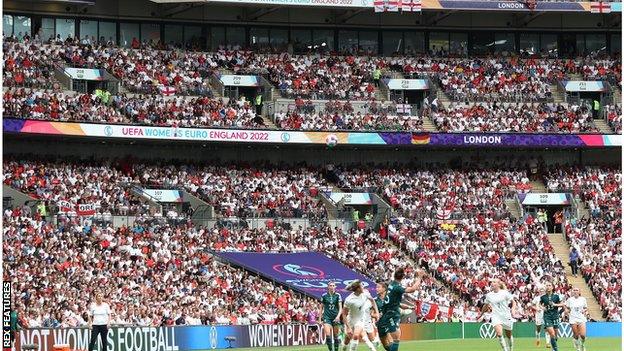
x: 511, y: 6
x: 306, y: 272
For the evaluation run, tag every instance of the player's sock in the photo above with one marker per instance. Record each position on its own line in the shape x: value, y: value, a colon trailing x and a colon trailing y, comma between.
x: 336, y: 344
x: 547, y: 337
x: 582, y: 343
x: 376, y: 342
x: 394, y: 346
x: 369, y: 343
x: 328, y: 341
x: 353, y: 345
x: 344, y: 346
x: 510, y: 343
x: 503, y: 343
x: 553, y: 343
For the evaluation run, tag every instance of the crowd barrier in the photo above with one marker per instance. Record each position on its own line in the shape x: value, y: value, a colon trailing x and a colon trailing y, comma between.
x: 189, y: 338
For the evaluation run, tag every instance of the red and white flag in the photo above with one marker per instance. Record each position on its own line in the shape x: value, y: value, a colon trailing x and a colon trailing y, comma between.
x: 405, y: 109
x: 380, y: 5
x: 600, y: 7
x: 411, y: 5
x: 393, y: 6
x: 167, y: 90
x: 429, y: 311
x: 64, y: 206
x: 85, y: 209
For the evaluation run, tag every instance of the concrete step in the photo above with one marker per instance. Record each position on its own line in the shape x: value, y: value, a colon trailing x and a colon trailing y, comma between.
x: 380, y: 96
x: 538, y: 186
x: 562, y: 250
x: 603, y: 127
x: 269, y: 122
x: 583, y: 210
x: 558, y: 95
x: 18, y: 198
x: 513, y: 207
x: 428, y: 125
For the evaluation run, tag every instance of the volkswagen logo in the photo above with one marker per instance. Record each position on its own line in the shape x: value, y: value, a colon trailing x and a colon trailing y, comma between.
x: 285, y: 137
x: 487, y: 331
x: 565, y: 330
x: 108, y: 131
x: 213, y: 337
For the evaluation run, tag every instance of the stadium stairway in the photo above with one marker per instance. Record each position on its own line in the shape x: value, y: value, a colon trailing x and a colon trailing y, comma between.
x: 514, y: 208
x: 562, y: 249
x: 17, y: 198
x: 428, y: 125
x: 538, y: 186
x: 558, y: 95
x: 603, y: 127
x: 443, y: 99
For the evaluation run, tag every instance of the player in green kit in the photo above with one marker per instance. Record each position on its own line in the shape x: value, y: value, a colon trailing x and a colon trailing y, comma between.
x: 552, y: 317
x: 332, y: 309
x: 388, y: 325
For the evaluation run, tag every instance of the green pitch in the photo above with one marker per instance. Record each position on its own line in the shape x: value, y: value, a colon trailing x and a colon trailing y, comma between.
x: 520, y: 344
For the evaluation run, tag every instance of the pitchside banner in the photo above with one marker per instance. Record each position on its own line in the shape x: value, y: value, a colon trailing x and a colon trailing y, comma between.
x: 307, y: 272
x: 176, y: 338
x: 205, y: 337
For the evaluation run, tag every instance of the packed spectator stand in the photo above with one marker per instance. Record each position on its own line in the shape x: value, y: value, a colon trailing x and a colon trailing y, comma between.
x: 481, y: 240
x: 493, y: 81
x: 439, y: 215
x: 154, y: 110
x: 597, y: 237
x: 502, y: 117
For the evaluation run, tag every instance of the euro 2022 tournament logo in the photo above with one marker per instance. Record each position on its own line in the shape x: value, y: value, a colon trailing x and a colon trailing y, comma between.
x: 213, y: 337
x: 285, y: 137
x: 302, y: 272
x: 108, y: 131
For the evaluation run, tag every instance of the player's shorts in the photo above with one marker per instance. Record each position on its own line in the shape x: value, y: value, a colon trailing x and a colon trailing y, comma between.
x: 507, y: 323
x: 551, y: 322
x: 388, y: 324
x: 369, y: 327
x: 358, y: 324
x: 331, y: 321
x: 577, y: 320
x: 539, y: 319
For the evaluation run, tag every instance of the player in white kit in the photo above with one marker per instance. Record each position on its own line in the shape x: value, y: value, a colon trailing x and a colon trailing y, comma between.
x: 498, y: 300
x: 539, y: 318
x: 576, y: 307
x: 357, y: 316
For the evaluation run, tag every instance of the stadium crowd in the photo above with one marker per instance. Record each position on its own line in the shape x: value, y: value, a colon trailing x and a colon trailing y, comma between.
x: 527, y: 118
x: 598, y: 237
x: 28, y: 65
x: 156, y: 110
x: 316, y: 77
x: 454, y: 223
x: 152, y: 273
x: 457, y: 225
x: 338, y: 116
x: 614, y: 117
x: 493, y: 81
